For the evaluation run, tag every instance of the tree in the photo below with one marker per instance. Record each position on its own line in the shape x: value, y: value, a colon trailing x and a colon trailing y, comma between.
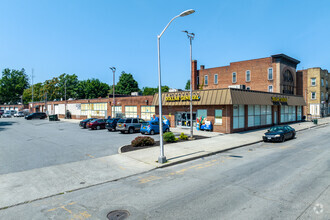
x: 12, y: 85
x: 71, y: 83
x: 152, y: 91
x: 92, y: 88
x: 126, y: 84
x: 187, y: 85
x: 38, y: 93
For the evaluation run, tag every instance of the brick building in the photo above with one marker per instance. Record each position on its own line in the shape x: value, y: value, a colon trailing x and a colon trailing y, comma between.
x: 276, y: 73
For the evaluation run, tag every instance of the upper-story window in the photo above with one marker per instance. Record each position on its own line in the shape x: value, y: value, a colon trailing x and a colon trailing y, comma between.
x: 322, y: 82
x: 313, y: 95
x: 234, y: 78
x: 322, y: 96
x: 206, y: 79
x: 248, y: 76
x: 215, y: 78
x: 270, y: 88
x: 313, y: 81
x: 326, y: 83
x: 270, y: 73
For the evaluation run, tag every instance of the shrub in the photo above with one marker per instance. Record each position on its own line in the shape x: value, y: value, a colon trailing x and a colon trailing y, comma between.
x: 183, y: 136
x: 169, y: 137
x: 142, y: 141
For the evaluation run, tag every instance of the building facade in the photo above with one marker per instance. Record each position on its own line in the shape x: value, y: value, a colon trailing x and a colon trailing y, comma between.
x: 276, y: 73
x: 315, y: 89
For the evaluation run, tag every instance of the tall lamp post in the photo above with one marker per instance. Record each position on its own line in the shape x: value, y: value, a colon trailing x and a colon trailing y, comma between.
x: 65, y: 100
x: 113, y: 90
x: 162, y: 158
x: 191, y: 37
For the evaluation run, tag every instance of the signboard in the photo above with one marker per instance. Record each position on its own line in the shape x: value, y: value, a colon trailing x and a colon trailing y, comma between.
x: 280, y: 100
x: 181, y: 97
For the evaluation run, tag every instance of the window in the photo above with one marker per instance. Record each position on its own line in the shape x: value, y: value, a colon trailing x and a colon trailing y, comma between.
x: 234, y: 78
x: 135, y: 120
x: 313, y: 95
x: 218, y: 116
x: 313, y: 81
x: 270, y: 73
x: 238, y: 116
x: 117, y: 109
x: 259, y: 115
x: 206, y: 80
x: 248, y: 76
x: 147, y: 112
x: 197, y: 80
x: 130, y: 111
x: 322, y: 82
x: 201, y: 113
x: 215, y: 78
x: 248, y: 88
x: 270, y: 88
x: 322, y: 96
x: 288, y: 113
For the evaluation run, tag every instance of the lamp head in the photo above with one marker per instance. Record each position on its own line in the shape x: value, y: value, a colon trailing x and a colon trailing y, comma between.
x: 188, y: 12
x: 112, y: 68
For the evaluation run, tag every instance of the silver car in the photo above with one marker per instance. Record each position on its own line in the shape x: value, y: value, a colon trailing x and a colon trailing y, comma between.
x: 129, y: 125
x: 6, y: 115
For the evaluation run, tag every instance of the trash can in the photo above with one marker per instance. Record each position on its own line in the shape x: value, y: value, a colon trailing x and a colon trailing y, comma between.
x: 315, y: 121
x: 53, y: 118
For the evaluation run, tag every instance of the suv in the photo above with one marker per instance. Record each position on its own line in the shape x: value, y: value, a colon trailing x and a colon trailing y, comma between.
x: 40, y: 115
x: 129, y: 125
x: 111, y: 124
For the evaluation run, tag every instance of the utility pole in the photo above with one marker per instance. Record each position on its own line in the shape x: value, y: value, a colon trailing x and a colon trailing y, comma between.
x: 113, y: 91
x: 191, y: 37
x: 32, y: 89
x: 65, y: 101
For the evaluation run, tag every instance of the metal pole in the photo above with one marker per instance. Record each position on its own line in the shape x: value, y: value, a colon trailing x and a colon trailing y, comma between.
x: 113, y: 91
x: 191, y: 111
x: 161, y: 158
x: 65, y: 101
x: 32, y: 89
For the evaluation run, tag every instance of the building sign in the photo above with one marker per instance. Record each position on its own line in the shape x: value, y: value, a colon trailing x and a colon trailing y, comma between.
x: 280, y: 100
x: 183, y: 97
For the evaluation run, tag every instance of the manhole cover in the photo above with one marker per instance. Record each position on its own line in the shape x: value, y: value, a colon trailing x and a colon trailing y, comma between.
x: 118, y: 215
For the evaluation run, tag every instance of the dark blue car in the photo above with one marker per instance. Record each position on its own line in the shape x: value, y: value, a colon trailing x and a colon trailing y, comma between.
x: 152, y: 127
x: 279, y: 133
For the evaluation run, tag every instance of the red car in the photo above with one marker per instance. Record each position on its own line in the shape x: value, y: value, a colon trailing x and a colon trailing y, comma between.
x: 97, y: 124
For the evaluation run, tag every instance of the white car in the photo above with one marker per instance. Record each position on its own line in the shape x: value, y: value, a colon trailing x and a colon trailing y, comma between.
x: 19, y: 114
x: 6, y: 115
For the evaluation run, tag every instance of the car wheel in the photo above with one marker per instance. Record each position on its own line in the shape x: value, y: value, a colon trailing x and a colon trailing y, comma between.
x: 131, y: 130
x: 109, y: 129
x: 122, y: 132
x: 167, y: 130
x: 293, y: 135
x: 152, y: 132
x: 283, y: 139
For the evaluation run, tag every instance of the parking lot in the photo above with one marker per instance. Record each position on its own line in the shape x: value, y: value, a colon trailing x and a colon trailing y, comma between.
x: 26, y: 145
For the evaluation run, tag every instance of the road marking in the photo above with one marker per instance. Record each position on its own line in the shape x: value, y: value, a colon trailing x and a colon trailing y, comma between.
x: 74, y: 216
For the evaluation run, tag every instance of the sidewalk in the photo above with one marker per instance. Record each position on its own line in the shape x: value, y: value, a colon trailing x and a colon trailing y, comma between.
x: 21, y: 187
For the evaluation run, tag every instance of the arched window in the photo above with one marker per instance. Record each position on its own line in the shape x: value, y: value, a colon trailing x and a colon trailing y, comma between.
x: 288, y: 82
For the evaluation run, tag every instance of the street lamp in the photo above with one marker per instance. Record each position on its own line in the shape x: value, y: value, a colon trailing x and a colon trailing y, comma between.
x: 65, y: 100
x: 113, y: 90
x: 162, y: 158
x: 191, y: 37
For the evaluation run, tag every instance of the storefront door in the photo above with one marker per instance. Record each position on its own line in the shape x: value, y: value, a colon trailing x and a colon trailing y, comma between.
x: 182, y: 119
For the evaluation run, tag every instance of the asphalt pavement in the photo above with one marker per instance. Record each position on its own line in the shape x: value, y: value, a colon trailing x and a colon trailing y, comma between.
x: 289, y: 180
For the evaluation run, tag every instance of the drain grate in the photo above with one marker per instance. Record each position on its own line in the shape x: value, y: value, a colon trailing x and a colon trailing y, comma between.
x: 118, y: 215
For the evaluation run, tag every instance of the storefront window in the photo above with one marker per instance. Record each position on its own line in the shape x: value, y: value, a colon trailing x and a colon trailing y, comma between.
x: 201, y: 113
x: 299, y: 113
x: 238, y: 116
x: 259, y: 115
x: 147, y: 112
x: 118, y: 110
x: 218, y: 116
x: 130, y: 111
x: 288, y: 113
x: 94, y: 109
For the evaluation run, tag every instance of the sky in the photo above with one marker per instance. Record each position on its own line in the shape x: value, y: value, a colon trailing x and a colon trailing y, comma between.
x: 85, y: 37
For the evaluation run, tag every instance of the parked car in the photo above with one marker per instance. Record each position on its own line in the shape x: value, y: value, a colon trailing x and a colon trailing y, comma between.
x: 83, y: 123
x: 129, y: 125
x: 111, y: 124
x: 19, y: 114
x: 6, y: 115
x: 97, y: 124
x: 279, y: 133
x: 2, y: 112
x: 152, y: 127
x: 36, y: 115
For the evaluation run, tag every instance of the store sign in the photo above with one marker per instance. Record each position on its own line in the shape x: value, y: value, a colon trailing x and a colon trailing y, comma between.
x: 280, y: 101
x: 183, y: 97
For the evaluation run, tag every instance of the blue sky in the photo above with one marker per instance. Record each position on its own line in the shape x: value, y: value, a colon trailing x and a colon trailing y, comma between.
x: 86, y: 37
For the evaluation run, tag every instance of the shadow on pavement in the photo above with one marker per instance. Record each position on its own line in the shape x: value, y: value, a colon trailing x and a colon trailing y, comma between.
x: 6, y: 123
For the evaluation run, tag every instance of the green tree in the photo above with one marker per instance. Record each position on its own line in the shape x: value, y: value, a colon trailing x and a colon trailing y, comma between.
x: 12, y: 85
x: 71, y: 83
x: 187, y: 85
x: 152, y: 91
x: 92, y: 88
x: 126, y: 84
x: 38, y: 93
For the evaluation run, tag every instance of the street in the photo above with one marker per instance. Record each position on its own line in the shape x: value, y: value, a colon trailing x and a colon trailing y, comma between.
x: 289, y: 180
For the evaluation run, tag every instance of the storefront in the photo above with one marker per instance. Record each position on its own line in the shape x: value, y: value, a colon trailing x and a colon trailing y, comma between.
x: 231, y: 110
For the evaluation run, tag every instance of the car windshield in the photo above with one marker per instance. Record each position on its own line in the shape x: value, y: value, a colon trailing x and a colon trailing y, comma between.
x: 94, y: 120
x: 278, y: 129
x: 121, y: 121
